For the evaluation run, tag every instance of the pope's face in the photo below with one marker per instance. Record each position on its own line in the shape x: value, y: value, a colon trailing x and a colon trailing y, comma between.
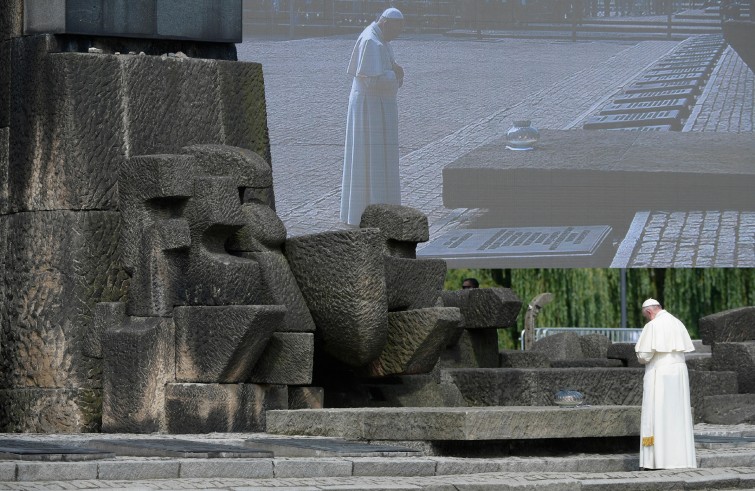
x: 392, y: 28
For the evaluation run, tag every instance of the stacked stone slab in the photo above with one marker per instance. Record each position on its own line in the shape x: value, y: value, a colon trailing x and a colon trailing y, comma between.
x: 70, y: 120
x: 731, y: 335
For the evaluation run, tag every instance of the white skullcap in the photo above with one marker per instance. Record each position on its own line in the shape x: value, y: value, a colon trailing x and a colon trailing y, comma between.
x: 650, y: 302
x: 392, y: 13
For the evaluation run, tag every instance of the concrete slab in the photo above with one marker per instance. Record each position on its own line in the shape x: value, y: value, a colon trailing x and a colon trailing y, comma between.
x: 177, y: 448
x: 458, y: 424
x: 326, y: 447
x: 49, y: 452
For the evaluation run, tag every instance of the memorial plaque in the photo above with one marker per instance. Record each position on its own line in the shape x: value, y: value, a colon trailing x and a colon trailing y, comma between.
x: 465, y: 246
x: 49, y: 452
x: 702, y: 66
x: 673, y: 84
x: 660, y: 127
x: 677, y: 71
x: 644, y: 106
x: 691, y: 59
x: 328, y: 447
x: 650, y: 118
x: 656, y: 95
x: 177, y: 448
x: 652, y: 79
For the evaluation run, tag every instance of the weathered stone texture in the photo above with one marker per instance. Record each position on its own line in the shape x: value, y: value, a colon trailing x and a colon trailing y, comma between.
x: 306, y: 397
x: 703, y: 384
x: 413, y: 391
x: 263, y: 230
x: 50, y: 410
x: 416, y: 339
x: 624, y: 352
x: 475, y: 348
x: 594, y: 345
x: 731, y: 326
x: 413, y: 283
x: 561, y: 346
x: 4, y: 164
x: 12, y: 20
x: 222, y: 344
x: 483, y: 308
x: 739, y: 358
x: 205, y: 408
x: 287, y: 359
x: 401, y: 227
x: 59, y: 264
x: 730, y: 409
x: 138, y: 361
x: 522, y: 359
x: 341, y: 276
x: 5, y: 77
x: 587, y: 363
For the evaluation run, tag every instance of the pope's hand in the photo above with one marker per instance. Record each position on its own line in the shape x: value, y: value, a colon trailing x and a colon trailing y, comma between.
x: 399, y: 73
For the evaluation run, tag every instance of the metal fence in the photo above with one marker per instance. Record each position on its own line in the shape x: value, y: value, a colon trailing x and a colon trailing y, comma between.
x: 615, y: 334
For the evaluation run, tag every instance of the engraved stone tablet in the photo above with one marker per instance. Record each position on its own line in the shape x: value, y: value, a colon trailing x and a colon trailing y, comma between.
x: 177, y: 448
x: 644, y: 106
x: 48, y: 452
x: 328, y: 447
x: 655, y: 95
x: 650, y: 118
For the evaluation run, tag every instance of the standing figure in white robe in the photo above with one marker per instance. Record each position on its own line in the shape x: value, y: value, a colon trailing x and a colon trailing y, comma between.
x: 370, y: 163
x: 668, y: 440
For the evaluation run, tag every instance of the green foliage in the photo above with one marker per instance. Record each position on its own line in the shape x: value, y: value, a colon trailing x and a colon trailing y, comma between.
x: 592, y: 297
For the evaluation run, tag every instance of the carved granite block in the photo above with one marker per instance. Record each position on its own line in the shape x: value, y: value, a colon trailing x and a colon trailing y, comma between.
x: 416, y: 339
x: 413, y: 283
x: 245, y: 167
x: 561, y: 346
x: 341, y: 276
x: 306, y: 397
x: 59, y: 265
x: 138, y: 361
x: 5, y: 77
x: 287, y: 359
x: 67, y: 134
x: 594, y: 345
x: 733, y: 325
x: 739, y: 358
x: 222, y: 344
x: 213, y: 276
x: 4, y: 164
x: 12, y: 20
x: 485, y: 307
x: 475, y: 348
x: 730, y: 409
x: 50, y: 410
x: 412, y: 391
x: 279, y: 288
x: 703, y: 384
x: 624, y: 352
x: 588, y: 363
x: 105, y: 315
x: 402, y: 227
x: 263, y: 230
x: 205, y: 408
x: 522, y: 359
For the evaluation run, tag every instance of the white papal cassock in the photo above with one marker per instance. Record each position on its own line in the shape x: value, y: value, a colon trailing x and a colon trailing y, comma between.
x: 666, y: 429
x: 370, y: 164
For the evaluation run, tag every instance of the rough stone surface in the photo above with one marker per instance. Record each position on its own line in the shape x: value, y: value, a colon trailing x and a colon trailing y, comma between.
x: 703, y: 384
x: 341, y: 276
x: 139, y: 359
x: 205, y: 408
x: 5, y: 77
x: 483, y: 308
x: 52, y: 286
x: 733, y: 325
x: 480, y: 423
x: 222, y: 344
x: 413, y: 283
x: 4, y: 163
x: 306, y: 397
x: 522, y: 359
x: 50, y: 410
x: 730, y: 409
x: 12, y: 20
x: 475, y: 348
x: 413, y: 391
x: 587, y: 363
x: 624, y: 352
x: 416, y: 339
x: 739, y: 358
x: 263, y: 231
x: 700, y: 364
x: 287, y: 359
x: 401, y: 227
x: 561, y: 346
x: 594, y: 345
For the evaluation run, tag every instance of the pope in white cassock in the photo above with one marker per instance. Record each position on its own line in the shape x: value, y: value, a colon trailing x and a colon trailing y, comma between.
x: 370, y: 164
x: 667, y: 441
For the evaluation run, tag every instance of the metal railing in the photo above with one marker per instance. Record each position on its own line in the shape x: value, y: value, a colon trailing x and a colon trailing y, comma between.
x: 615, y: 334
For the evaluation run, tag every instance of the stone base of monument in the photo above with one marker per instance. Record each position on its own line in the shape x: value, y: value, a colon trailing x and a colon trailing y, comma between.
x: 477, y: 431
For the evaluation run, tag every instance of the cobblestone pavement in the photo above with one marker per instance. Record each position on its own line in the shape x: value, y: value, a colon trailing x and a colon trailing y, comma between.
x: 459, y: 95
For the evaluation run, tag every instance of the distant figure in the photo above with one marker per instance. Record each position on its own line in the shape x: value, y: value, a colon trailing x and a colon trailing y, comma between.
x: 668, y: 441
x: 370, y: 163
x: 470, y: 283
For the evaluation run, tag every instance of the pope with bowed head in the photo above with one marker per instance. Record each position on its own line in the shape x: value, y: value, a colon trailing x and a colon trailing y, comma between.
x: 668, y: 440
x: 370, y: 164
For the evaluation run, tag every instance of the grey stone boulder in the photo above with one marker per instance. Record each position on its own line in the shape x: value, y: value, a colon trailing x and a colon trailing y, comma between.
x: 287, y: 359
x: 703, y: 384
x: 41, y: 410
x: 730, y: 409
x: 138, y: 361
x: 207, y: 408
x: 413, y: 283
x: 624, y: 352
x: 561, y: 346
x: 263, y: 230
x: 522, y: 359
x: 341, y: 276
x: 594, y: 345
x: 222, y: 344
x: 401, y: 227
x: 733, y: 326
x: 739, y: 358
x: 416, y: 339
x: 483, y: 308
